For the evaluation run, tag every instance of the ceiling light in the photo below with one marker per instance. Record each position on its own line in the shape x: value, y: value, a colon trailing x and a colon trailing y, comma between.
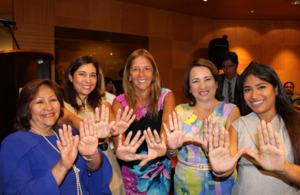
x: 204, y: 0
x: 296, y: 2
x: 252, y: 11
x: 111, y: 54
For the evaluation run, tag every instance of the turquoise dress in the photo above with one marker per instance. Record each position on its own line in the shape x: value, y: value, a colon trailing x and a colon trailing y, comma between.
x: 193, y: 173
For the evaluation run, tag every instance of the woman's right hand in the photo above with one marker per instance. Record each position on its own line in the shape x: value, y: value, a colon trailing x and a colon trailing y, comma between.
x: 127, y: 152
x: 102, y: 124
x: 68, y: 147
x: 219, y: 153
x: 175, y: 134
x: 123, y: 123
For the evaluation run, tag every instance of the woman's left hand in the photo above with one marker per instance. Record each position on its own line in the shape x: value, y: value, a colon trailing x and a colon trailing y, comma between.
x: 122, y: 123
x: 156, y: 146
x: 88, y: 144
x: 102, y: 125
x: 272, y: 156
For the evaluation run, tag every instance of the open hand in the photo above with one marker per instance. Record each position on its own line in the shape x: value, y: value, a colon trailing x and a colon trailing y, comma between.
x: 219, y: 153
x: 88, y: 144
x: 127, y: 152
x: 175, y: 134
x: 156, y: 146
x: 67, y: 146
x: 102, y: 125
x: 272, y: 156
x: 122, y: 123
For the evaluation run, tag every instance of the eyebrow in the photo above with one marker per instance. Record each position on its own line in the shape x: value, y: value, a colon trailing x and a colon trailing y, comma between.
x: 259, y: 84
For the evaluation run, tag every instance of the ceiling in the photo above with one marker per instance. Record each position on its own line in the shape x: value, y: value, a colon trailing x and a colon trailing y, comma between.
x: 213, y: 9
x: 228, y: 9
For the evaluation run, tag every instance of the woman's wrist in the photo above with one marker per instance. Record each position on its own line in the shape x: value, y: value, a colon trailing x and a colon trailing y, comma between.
x: 218, y: 174
x: 90, y: 158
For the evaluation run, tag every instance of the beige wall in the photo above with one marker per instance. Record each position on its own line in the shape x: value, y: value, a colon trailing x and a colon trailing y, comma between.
x: 174, y: 39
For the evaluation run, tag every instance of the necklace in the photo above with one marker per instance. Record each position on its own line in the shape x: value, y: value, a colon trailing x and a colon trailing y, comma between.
x: 144, y: 109
x: 76, y: 170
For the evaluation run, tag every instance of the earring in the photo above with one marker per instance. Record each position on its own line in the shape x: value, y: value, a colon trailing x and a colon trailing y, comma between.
x: 190, y: 91
x: 129, y: 79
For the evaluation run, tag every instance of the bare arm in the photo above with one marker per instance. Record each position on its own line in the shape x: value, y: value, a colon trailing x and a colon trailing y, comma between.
x: 69, y: 119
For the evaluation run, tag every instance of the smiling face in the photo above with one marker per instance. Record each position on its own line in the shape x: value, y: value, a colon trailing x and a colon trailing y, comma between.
x: 229, y: 69
x: 141, y: 73
x: 84, y: 80
x: 260, y: 97
x: 45, y: 109
x: 202, y: 84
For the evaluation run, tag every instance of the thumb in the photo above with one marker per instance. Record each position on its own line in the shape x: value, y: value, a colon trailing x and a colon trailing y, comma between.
x: 144, y: 162
x: 238, y: 155
x: 252, y: 154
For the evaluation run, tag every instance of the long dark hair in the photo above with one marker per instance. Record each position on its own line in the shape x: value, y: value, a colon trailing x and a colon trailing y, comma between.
x: 284, y: 107
x: 186, y: 80
x: 26, y: 96
x: 69, y: 93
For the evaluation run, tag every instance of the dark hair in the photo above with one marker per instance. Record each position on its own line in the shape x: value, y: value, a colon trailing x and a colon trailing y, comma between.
x: 290, y: 82
x: 155, y: 88
x: 121, y: 72
x: 69, y: 93
x: 107, y: 80
x: 186, y: 80
x: 228, y: 55
x: 283, y: 105
x: 27, y: 95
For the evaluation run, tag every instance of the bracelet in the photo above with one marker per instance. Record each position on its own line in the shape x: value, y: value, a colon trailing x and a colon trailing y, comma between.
x: 218, y: 175
x: 91, y: 159
x: 172, y: 151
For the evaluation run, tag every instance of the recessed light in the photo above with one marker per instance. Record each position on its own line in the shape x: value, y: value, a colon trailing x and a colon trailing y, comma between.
x: 204, y: 0
x: 296, y: 2
x: 252, y: 11
x: 111, y: 54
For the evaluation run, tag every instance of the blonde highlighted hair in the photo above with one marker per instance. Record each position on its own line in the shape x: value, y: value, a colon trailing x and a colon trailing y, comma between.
x: 155, y: 86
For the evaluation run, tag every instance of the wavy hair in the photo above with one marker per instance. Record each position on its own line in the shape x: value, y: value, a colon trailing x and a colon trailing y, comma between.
x: 27, y: 95
x: 283, y: 106
x: 155, y: 87
x: 69, y: 93
x: 186, y: 80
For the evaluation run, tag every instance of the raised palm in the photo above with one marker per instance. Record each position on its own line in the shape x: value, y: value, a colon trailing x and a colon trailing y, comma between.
x: 67, y: 146
x: 102, y: 124
x: 272, y: 155
x: 122, y: 123
x: 156, y: 146
x: 88, y: 143
x: 219, y: 153
x: 127, y: 152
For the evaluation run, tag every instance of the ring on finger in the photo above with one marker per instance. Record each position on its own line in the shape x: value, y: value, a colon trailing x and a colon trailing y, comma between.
x: 268, y: 143
x: 125, y: 144
x: 96, y: 121
x: 158, y: 142
x: 65, y: 145
x: 172, y: 130
x: 216, y: 147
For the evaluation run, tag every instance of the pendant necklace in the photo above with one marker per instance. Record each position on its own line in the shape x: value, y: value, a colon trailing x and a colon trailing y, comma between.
x: 144, y: 109
x: 76, y: 170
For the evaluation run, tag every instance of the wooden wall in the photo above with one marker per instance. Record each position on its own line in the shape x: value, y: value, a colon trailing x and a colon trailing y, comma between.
x: 174, y: 39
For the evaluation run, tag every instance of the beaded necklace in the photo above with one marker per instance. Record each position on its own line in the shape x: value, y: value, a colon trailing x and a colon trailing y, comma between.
x: 76, y: 170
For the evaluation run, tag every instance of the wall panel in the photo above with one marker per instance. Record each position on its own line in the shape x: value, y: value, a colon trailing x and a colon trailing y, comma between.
x: 37, y: 37
x: 292, y: 32
x: 134, y: 19
x: 202, y: 31
x: 73, y: 14
x: 182, y: 54
x: 225, y: 27
x: 160, y: 23
x: 106, y: 15
x: 161, y: 50
x: 34, y: 11
x: 248, y: 32
x: 182, y: 27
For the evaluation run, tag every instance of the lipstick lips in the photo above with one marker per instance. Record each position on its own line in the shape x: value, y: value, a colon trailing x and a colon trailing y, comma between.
x: 48, y: 115
x: 203, y: 93
x: 256, y: 103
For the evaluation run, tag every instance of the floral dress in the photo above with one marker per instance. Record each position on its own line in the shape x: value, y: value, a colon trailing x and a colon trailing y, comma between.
x: 154, y: 177
x: 193, y: 173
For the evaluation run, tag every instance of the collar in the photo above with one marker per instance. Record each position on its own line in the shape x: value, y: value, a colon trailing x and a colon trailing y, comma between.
x: 232, y: 81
